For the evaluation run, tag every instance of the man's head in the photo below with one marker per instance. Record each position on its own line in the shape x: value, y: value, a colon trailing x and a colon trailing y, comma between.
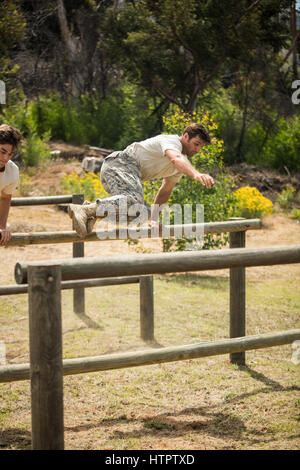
x: 194, y: 137
x: 10, y: 138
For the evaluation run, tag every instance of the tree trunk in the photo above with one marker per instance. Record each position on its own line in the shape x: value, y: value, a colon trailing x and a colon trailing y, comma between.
x: 191, y: 105
x: 238, y: 153
x: 294, y: 40
x: 73, y: 50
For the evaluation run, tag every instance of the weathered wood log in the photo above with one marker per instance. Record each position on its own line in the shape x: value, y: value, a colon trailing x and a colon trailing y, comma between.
x: 144, y: 264
x: 41, y: 200
x: 23, y: 289
x: 39, y: 238
x: 78, y: 252
x: 237, y: 295
x: 156, y: 356
x: 146, y: 308
x: 46, y: 367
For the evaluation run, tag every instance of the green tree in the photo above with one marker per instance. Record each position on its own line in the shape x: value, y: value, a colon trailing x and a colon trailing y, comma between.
x: 177, y: 48
x: 12, y: 28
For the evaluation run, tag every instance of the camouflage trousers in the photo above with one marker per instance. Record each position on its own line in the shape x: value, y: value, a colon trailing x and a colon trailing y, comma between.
x: 121, y: 178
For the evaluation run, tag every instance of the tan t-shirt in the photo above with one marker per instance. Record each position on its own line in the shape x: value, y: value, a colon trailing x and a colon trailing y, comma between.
x: 154, y: 163
x: 9, y: 178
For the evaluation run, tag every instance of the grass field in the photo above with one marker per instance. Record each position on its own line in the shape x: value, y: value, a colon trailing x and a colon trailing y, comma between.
x: 195, y: 404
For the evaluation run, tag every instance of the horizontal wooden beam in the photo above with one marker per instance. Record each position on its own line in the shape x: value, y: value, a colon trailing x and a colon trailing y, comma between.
x: 82, y: 365
x: 23, y: 289
x: 40, y: 200
x: 39, y: 238
x: 142, y: 264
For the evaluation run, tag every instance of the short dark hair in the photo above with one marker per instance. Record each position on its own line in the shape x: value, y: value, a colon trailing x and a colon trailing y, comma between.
x: 196, y: 129
x: 10, y: 135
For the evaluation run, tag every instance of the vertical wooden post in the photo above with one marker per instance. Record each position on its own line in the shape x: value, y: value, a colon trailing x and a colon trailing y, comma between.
x: 237, y: 296
x: 78, y: 252
x: 146, y: 308
x: 46, y: 366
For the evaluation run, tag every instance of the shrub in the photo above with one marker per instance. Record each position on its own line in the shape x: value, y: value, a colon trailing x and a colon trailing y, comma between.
x: 251, y: 203
x: 295, y: 214
x: 113, y: 122
x: 88, y: 184
x: 33, y: 149
x: 269, y: 140
x: 286, y: 197
x: 282, y: 148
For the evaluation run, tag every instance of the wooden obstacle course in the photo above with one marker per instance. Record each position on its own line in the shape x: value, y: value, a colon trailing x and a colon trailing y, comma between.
x: 45, y: 336
x: 234, y: 258
x: 23, y: 289
x: 146, y: 296
x: 41, y: 200
x: 82, y: 365
x: 237, y: 258
x: 236, y: 227
x: 161, y: 263
x: 78, y: 248
x: 146, y: 286
x: 44, y: 287
x: 40, y: 238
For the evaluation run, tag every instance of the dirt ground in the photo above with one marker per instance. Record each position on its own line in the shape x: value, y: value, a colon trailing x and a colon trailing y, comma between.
x: 117, y: 410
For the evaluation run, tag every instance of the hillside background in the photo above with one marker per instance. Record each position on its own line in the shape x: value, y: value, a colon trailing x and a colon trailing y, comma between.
x: 105, y: 72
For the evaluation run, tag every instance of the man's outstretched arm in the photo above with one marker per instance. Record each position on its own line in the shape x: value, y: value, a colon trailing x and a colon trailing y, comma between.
x: 5, y: 200
x: 162, y: 196
x: 183, y: 165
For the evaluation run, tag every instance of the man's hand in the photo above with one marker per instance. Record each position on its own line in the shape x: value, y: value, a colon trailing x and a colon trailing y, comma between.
x: 183, y: 165
x: 204, y: 179
x: 5, y: 236
x: 156, y: 225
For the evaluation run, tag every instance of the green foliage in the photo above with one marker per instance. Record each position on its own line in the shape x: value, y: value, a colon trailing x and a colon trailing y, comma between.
x: 289, y: 201
x: 155, y: 425
x: 34, y: 151
x: 113, y: 122
x: 286, y: 197
x: 295, y: 214
x: 175, y: 48
x: 19, y: 114
x: 274, y: 145
x: 282, y: 149
x: 218, y: 201
x: 12, y: 28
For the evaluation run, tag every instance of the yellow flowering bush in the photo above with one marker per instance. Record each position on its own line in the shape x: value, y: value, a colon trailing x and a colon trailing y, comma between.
x: 251, y: 203
x: 88, y: 184
x: 175, y: 119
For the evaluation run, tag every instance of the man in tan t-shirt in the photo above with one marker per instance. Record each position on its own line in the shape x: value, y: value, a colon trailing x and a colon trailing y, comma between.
x: 122, y: 174
x: 9, y: 175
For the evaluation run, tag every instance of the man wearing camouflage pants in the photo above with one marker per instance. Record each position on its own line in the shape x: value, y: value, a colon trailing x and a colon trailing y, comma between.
x: 163, y: 156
